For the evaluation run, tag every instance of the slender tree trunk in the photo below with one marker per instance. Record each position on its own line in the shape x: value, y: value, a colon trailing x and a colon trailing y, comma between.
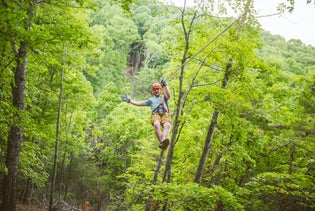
x: 157, y: 170
x: 207, y: 146
x: 292, y: 159
x: 168, y: 166
x: 212, y: 126
x: 215, y: 115
x: 69, y: 170
x: 25, y: 196
x: 64, y: 157
x: 16, y: 131
x: 148, y: 206
x: 54, y: 173
x: 136, y: 57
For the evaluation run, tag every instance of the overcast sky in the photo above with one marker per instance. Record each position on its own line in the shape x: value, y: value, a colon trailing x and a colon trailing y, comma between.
x: 299, y: 24
x: 296, y: 25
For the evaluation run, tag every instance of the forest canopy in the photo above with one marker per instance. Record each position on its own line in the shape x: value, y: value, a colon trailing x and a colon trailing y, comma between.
x: 242, y: 108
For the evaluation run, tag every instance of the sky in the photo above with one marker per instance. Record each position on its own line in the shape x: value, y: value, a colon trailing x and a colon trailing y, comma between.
x: 295, y: 25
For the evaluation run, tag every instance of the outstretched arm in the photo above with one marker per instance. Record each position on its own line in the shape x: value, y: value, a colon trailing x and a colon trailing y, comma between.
x: 133, y: 102
x: 142, y: 103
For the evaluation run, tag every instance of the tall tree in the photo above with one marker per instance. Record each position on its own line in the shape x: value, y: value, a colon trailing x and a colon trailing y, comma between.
x: 58, y: 122
x: 212, y: 126
x: 187, y: 30
x: 27, y: 29
x: 19, y: 47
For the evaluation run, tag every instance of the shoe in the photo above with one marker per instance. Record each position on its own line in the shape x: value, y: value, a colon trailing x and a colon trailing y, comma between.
x: 164, y: 144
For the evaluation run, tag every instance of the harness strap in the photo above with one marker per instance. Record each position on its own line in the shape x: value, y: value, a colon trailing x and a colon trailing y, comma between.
x: 161, y: 105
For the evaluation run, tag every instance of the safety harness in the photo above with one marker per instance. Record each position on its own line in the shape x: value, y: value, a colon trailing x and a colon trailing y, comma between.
x: 157, y: 109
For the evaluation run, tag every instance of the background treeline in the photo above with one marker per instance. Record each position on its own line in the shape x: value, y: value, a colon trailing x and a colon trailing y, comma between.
x: 243, y: 126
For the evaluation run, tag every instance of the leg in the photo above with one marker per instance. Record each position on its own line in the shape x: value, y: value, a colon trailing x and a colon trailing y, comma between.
x: 157, y: 129
x: 166, y: 131
x: 155, y: 121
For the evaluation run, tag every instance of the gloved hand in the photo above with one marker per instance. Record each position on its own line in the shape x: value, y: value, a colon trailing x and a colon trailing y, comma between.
x: 163, y: 82
x: 125, y: 98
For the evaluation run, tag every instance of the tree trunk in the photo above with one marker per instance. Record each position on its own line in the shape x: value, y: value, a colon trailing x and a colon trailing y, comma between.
x: 135, y: 59
x: 16, y: 131
x: 148, y: 206
x: 169, y: 160
x: 157, y: 170
x: 62, y: 174
x: 212, y: 126
x: 68, y: 178
x: 207, y: 146
x: 292, y: 159
x: 25, y: 197
x: 54, y: 173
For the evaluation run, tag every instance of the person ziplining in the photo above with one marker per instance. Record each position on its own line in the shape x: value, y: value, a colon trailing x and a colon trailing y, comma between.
x: 160, y: 112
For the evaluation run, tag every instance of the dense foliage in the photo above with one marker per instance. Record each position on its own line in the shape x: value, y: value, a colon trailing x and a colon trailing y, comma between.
x: 242, y: 108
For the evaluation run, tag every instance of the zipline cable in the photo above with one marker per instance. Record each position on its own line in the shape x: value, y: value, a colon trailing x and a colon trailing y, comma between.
x: 208, y: 43
x: 202, y: 48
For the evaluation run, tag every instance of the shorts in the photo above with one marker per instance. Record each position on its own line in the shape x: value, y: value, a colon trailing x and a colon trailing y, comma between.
x: 161, y: 117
